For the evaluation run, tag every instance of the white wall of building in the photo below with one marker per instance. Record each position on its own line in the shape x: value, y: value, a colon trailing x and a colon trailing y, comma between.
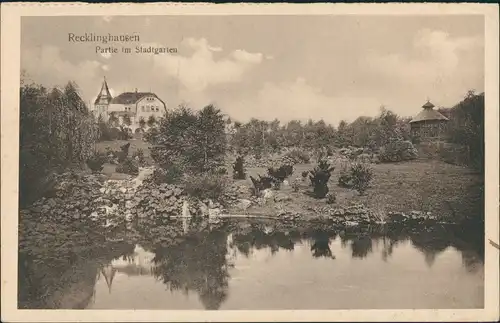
x: 149, y: 106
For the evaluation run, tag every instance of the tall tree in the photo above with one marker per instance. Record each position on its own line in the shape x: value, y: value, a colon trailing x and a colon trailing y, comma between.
x: 126, y: 120
x: 142, y: 123
x: 151, y: 121
x: 113, y: 120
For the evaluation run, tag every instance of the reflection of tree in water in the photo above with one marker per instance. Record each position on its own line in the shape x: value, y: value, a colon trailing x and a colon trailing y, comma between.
x: 321, y: 244
x: 198, y: 263
x: 360, y: 240
x: 430, y: 243
x: 56, y: 281
x: 361, y: 246
x: 259, y: 237
x: 391, y: 240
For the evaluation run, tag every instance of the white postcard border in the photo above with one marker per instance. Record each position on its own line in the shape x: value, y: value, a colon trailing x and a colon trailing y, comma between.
x: 10, y: 77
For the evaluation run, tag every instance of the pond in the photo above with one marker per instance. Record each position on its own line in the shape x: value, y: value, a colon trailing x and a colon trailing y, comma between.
x: 243, y: 265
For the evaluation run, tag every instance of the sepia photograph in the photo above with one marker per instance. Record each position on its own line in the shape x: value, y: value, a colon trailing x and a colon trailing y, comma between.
x: 252, y: 162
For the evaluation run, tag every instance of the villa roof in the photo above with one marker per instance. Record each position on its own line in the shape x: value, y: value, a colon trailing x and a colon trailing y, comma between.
x: 428, y: 114
x: 131, y: 97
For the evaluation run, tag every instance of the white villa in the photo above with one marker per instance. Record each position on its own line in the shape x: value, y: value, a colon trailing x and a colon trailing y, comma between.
x: 137, y: 105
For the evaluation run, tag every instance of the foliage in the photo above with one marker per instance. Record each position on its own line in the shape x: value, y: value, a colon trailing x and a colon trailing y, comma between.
x: 345, y: 179
x: 361, y: 175
x: 298, y: 156
x: 142, y: 123
x: 466, y: 127
x: 281, y: 173
x: 206, y: 186
x: 56, y: 131
x: 331, y: 198
x: 126, y: 120
x: 258, y: 136
x: 96, y: 162
x: 398, y: 150
x: 239, y: 169
x: 151, y: 121
x: 194, y: 141
x: 171, y: 175
x: 319, y: 177
x: 151, y: 134
x: 139, y: 156
x: 113, y: 120
x: 128, y: 166
x: 263, y: 183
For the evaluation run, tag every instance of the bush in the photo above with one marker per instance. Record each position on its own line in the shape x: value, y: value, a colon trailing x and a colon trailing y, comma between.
x: 319, y: 178
x: 361, y: 175
x: 261, y: 184
x: 96, y: 162
x: 128, y: 166
x: 281, y: 173
x: 206, y: 186
x: 397, y: 150
x: 139, y: 156
x: 298, y: 156
x: 171, y: 175
x: 239, y: 169
x: 331, y: 198
x: 345, y: 179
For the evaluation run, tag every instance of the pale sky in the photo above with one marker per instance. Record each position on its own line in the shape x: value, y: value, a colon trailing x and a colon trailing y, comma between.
x: 285, y: 67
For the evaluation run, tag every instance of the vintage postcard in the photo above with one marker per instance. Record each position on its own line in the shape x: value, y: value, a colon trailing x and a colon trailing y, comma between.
x: 249, y: 162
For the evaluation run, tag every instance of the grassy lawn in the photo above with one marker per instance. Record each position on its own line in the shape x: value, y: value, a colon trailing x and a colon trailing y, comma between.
x: 423, y: 185
x: 135, y: 144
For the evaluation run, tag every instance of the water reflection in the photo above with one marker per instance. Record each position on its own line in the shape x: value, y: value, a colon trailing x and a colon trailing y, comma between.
x: 321, y: 244
x: 201, y: 260
x: 196, y: 264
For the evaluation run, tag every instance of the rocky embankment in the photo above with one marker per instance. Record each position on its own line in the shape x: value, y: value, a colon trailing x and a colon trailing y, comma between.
x: 139, y: 201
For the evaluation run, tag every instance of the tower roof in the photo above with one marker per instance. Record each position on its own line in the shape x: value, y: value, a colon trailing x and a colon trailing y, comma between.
x: 428, y: 105
x: 429, y: 114
x: 104, y: 97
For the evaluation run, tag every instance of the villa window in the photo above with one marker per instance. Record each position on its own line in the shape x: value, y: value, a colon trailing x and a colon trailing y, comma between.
x: 142, y: 108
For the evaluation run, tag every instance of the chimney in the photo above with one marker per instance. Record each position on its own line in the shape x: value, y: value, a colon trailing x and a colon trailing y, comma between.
x: 135, y: 90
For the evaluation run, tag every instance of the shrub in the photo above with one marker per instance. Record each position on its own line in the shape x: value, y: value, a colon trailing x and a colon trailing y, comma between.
x: 319, y: 178
x: 261, y: 184
x: 139, y: 156
x: 206, y: 186
x: 281, y: 173
x: 171, y: 175
x: 331, y: 198
x: 345, y: 179
x: 239, y: 169
x: 298, y: 156
x: 361, y: 175
x: 123, y: 153
x: 128, y: 166
x: 96, y: 162
x: 397, y: 150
